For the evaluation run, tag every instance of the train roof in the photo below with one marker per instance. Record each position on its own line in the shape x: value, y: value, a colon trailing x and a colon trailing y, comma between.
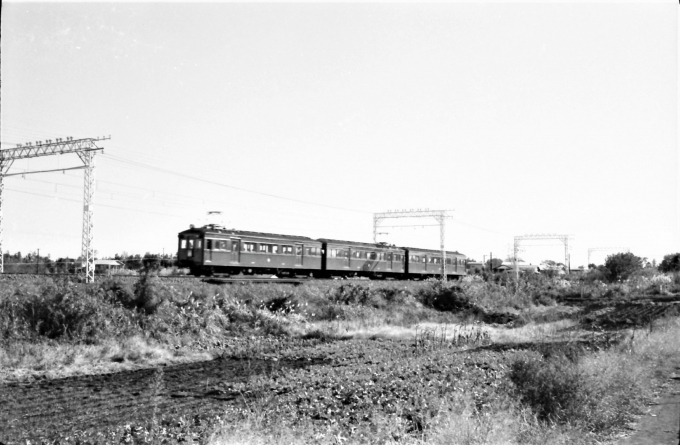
x: 224, y: 231
x: 234, y: 232
x: 419, y: 249
x: 359, y: 243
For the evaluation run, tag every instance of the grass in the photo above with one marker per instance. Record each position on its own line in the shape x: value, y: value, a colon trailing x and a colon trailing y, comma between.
x: 28, y: 360
x: 550, y: 398
x: 412, y: 363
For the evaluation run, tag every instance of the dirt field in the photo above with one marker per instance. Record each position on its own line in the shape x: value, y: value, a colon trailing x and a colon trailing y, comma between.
x: 51, y: 408
x: 59, y: 407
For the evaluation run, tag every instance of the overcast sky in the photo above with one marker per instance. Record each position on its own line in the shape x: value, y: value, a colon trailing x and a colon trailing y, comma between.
x: 307, y: 118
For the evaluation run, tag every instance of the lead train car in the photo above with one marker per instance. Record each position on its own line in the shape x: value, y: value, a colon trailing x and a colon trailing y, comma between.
x: 213, y: 249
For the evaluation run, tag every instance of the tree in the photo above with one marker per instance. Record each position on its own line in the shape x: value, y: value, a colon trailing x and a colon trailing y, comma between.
x: 620, y: 266
x: 551, y: 265
x: 494, y: 262
x: 670, y: 263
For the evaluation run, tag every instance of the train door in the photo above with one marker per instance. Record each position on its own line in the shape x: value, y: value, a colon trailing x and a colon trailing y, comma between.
x: 388, y: 260
x: 235, y: 250
x: 299, y: 252
x: 208, y: 250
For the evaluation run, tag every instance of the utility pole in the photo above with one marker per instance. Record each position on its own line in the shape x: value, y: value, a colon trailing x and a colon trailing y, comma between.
x: 37, y: 263
x: 439, y: 215
x: 85, y: 149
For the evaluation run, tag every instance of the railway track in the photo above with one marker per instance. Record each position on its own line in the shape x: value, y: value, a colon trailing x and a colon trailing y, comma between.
x: 211, y: 280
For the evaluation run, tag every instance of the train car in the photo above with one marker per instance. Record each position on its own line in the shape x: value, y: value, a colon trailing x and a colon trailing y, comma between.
x: 212, y: 249
x: 425, y: 263
x: 351, y: 258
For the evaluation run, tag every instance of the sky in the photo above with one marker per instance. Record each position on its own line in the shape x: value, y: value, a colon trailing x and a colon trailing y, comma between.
x: 308, y: 118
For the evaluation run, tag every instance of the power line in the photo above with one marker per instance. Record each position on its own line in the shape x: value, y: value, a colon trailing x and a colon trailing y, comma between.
x: 207, y: 181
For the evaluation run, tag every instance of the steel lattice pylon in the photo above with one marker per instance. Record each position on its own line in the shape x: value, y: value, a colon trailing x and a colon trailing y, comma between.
x: 87, y: 247
x: 542, y: 236
x: 86, y: 150
x: 5, y: 164
x: 439, y: 216
x: 601, y: 249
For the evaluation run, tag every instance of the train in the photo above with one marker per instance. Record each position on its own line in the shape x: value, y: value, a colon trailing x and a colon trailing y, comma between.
x: 214, y: 250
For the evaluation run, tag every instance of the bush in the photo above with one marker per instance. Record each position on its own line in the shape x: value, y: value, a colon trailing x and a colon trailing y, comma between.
x: 61, y: 310
x: 444, y: 297
x: 352, y: 293
x: 622, y: 265
x: 595, y: 392
x: 146, y: 293
x: 551, y: 387
x: 670, y: 263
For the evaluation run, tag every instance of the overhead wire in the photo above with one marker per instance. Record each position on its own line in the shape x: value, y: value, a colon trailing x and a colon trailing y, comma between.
x: 208, y: 181
x: 181, y: 201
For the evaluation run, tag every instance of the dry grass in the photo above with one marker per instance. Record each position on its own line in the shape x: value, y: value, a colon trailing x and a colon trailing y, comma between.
x: 534, y: 332
x: 25, y: 360
x: 614, y: 383
x: 458, y: 424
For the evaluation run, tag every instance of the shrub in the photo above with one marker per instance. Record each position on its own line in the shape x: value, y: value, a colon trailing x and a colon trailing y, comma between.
x: 551, y: 387
x: 146, y: 293
x: 61, y: 310
x: 350, y: 293
x: 670, y: 263
x: 443, y: 297
x: 622, y: 265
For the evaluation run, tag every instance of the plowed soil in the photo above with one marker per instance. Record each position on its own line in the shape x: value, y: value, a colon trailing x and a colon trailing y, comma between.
x: 54, y: 408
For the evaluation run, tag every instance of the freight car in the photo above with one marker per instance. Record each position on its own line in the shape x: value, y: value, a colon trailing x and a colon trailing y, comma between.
x: 213, y: 249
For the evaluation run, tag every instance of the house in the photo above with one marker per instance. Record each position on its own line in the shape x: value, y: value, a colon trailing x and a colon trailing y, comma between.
x: 523, y: 267
x: 107, y: 267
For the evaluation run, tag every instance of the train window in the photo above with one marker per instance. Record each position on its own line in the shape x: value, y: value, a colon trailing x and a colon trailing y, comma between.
x: 333, y: 253
x: 249, y: 247
x: 190, y: 253
x: 357, y: 254
x: 275, y: 248
x: 424, y: 259
x: 448, y: 261
x: 190, y: 244
x: 298, y: 250
x: 224, y: 245
x: 198, y: 243
x: 182, y: 244
x: 287, y: 250
x: 388, y: 256
x: 372, y: 256
x: 208, y: 244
